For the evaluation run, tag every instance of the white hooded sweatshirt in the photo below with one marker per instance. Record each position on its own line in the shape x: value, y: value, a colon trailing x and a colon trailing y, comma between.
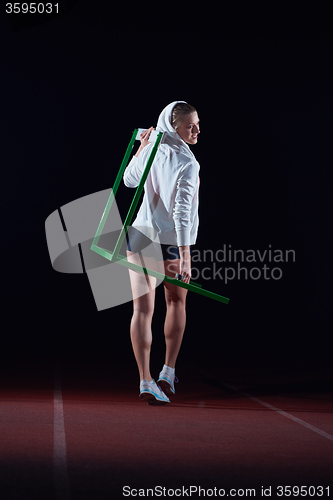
x: 170, y: 202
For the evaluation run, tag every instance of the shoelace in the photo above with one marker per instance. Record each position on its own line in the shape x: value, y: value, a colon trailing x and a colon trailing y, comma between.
x: 158, y: 386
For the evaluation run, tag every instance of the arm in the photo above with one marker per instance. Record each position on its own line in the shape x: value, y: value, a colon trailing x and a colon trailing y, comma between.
x: 185, y: 263
x: 144, y: 140
x: 186, y: 188
x: 134, y: 170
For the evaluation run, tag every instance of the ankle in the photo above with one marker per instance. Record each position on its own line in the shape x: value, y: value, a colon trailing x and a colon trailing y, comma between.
x: 169, y: 368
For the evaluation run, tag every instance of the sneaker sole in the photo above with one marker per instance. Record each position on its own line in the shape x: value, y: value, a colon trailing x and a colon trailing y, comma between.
x: 166, y: 387
x: 151, y: 399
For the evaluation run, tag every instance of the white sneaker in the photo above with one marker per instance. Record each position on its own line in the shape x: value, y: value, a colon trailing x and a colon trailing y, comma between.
x: 150, y: 392
x: 167, y: 380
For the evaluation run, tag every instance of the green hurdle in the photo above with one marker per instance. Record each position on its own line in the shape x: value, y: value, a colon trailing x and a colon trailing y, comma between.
x: 114, y: 255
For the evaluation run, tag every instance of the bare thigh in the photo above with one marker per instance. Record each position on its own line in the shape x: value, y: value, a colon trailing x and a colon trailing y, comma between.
x: 173, y: 293
x: 143, y: 286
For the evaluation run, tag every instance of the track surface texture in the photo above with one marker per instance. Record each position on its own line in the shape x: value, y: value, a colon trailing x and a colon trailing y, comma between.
x: 83, y: 433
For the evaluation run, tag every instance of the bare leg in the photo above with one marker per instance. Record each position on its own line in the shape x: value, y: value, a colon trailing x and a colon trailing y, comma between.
x: 175, y: 319
x: 143, y: 309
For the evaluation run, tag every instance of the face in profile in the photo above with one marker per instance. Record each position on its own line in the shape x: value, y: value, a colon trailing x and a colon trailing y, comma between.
x: 189, y: 128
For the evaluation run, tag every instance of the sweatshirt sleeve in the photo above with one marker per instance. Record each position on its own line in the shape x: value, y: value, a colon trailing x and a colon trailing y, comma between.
x: 133, y: 173
x: 136, y: 166
x: 187, y: 185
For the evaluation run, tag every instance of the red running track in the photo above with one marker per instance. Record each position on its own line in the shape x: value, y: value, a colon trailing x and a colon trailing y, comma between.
x: 78, y: 435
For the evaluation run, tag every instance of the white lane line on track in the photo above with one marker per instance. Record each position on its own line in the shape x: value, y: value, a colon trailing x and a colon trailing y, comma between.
x: 60, y: 471
x: 281, y: 412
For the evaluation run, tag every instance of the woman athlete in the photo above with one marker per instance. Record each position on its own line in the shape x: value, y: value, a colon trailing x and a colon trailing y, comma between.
x: 170, y: 209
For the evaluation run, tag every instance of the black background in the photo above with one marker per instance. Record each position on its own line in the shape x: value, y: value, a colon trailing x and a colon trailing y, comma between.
x: 73, y: 89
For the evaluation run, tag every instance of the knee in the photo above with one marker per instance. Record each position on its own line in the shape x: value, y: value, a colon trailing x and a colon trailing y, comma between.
x: 176, y: 302
x: 141, y: 324
x: 144, y: 312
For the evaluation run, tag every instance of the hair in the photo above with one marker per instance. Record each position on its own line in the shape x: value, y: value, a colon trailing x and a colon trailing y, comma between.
x: 179, y: 111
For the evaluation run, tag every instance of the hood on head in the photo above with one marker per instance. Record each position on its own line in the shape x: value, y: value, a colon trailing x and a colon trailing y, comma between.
x: 171, y: 137
x: 164, y: 120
